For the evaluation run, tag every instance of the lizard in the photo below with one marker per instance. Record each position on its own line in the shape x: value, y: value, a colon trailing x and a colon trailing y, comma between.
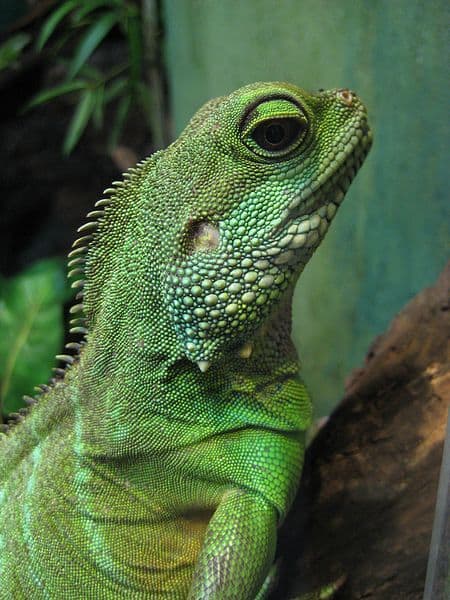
x: 160, y: 461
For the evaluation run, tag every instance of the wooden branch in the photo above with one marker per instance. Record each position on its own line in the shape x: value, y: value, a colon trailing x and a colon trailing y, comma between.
x: 367, y: 499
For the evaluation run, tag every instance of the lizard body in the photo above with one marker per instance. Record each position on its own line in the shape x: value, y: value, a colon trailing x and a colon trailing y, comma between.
x: 160, y: 463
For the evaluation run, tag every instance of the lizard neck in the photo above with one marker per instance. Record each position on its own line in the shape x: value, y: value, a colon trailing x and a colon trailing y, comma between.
x: 133, y: 395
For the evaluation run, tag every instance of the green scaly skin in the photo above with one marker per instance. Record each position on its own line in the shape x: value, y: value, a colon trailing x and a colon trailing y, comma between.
x: 161, y: 461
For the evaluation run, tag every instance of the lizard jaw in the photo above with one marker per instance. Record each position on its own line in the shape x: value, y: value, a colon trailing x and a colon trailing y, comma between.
x: 331, y: 188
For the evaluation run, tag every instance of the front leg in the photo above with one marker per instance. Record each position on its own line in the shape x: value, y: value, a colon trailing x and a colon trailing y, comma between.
x: 238, y: 549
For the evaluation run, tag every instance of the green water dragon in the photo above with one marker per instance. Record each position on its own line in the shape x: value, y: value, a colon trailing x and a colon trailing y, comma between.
x: 161, y: 460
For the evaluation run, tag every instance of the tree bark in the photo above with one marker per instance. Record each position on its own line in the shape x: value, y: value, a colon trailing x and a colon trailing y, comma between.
x: 367, y: 498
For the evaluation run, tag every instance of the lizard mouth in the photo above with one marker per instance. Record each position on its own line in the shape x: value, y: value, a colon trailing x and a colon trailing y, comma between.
x: 310, y: 211
x: 304, y: 222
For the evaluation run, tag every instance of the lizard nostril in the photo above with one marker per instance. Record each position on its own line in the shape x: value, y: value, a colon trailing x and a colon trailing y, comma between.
x: 346, y: 96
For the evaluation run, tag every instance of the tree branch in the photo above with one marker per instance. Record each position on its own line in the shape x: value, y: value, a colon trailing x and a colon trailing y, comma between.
x: 367, y: 499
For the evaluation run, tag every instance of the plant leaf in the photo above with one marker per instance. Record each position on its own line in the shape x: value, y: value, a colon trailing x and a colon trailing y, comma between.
x: 88, y: 7
x: 31, y: 323
x: 91, y: 39
x: 79, y: 120
x: 51, y: 23
x: 115, y: 88
x: 59, y: 90
x: 92, y: 73
x: 12, y: 48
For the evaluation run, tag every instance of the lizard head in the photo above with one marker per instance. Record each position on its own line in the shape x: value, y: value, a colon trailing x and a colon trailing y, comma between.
x: 198, y: 250
x: 269, y: 166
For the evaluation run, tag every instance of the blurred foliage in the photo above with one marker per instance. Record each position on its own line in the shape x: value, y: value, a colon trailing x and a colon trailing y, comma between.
x: 31, y: 322
x: 11, y: 50
x: 83, y: 25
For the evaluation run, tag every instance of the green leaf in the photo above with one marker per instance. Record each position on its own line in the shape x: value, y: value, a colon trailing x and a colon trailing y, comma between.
x: 51, y: 23
x: 89, y: 7
x: 79, y: 120
x: 12, y: 49
x: 119, y: 120
x: 59, y: 90
x: 92, y: 73
x: 115, y: 88
x: 92, y: 38
x: 31, y: 323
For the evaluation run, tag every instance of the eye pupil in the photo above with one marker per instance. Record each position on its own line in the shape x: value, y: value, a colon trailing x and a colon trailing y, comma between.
x: 274, y: 134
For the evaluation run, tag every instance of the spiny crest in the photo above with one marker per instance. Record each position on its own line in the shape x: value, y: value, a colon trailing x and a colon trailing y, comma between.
x: 78, y: 256
x: 76, y: 269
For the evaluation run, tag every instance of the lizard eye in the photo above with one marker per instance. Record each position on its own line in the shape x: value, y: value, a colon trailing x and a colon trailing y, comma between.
x: 274, y: 128
x: 277, y: 134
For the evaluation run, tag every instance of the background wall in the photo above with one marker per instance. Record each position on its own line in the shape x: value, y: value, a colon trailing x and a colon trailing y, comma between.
x: 391, y: 236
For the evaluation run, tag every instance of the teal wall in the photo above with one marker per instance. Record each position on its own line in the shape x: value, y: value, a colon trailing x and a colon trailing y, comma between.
x: 391, y: 236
